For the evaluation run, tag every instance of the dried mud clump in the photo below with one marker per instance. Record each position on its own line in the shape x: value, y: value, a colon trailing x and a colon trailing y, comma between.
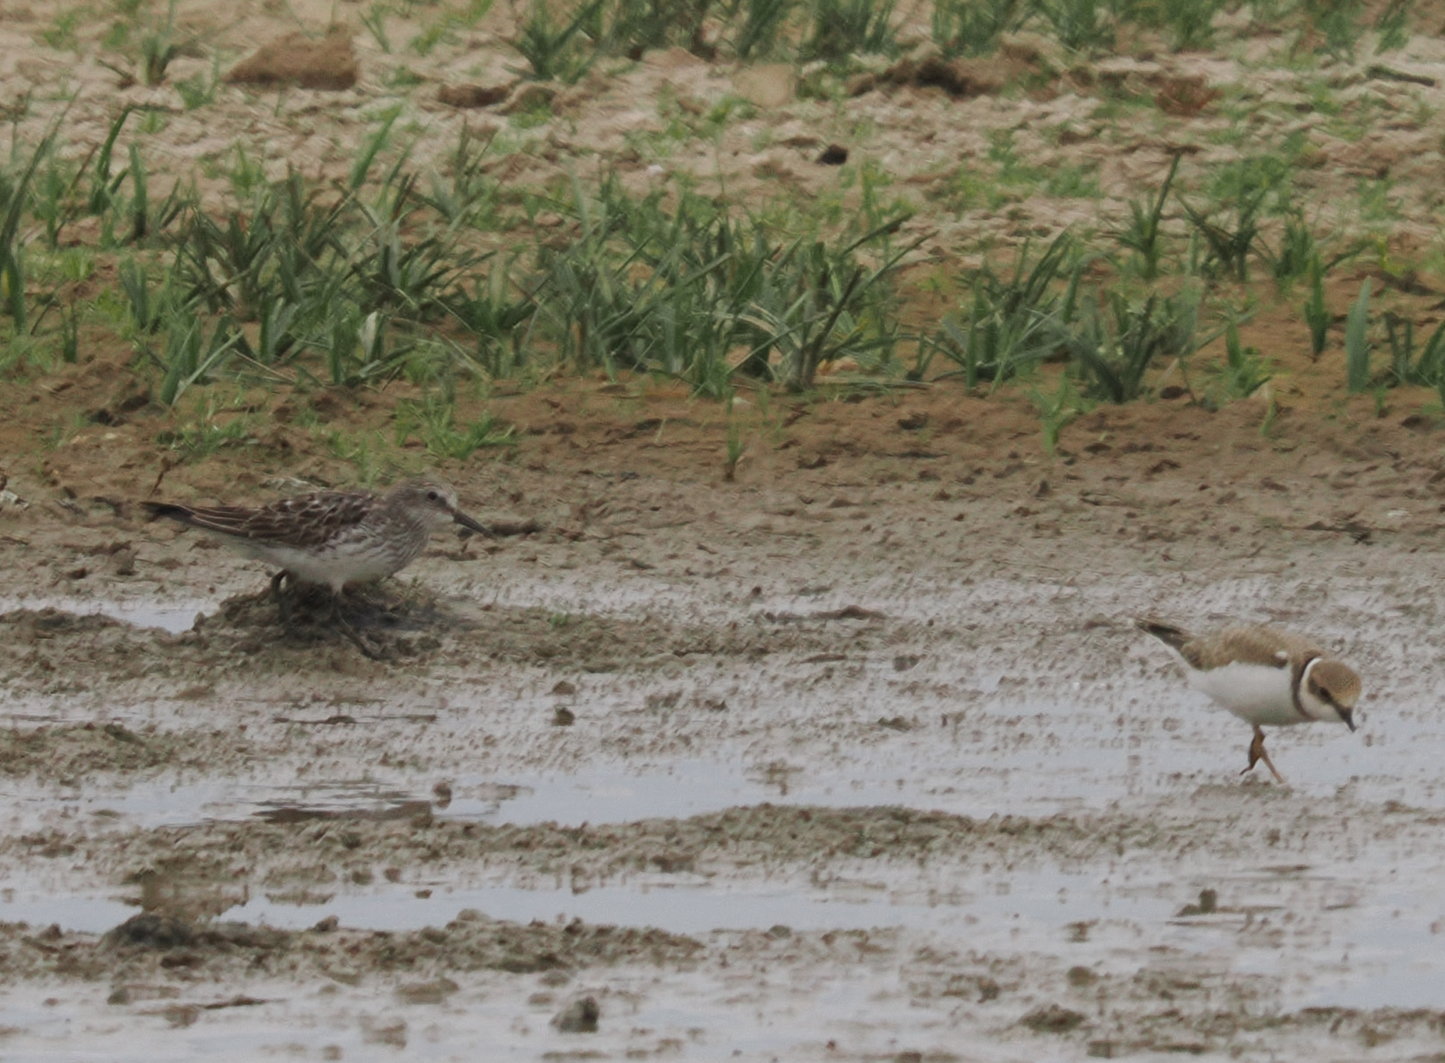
x: 38, y: 625
x: 66, y: 753
x: 746, y: 836
x: 156, y: 930
x: 59, y: 652
x: 470, y: 96
x: 959, y: 78
x: 299, y: 60
x: 1052, y: 1018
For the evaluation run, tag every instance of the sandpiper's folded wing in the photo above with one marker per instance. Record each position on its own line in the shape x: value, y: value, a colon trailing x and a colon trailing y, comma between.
x: 303, y: 521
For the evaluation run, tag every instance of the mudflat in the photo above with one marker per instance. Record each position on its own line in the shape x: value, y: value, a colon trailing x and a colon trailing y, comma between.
x: 805, y: 726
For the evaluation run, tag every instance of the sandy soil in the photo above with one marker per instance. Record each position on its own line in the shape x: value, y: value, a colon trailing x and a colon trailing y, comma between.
x: 853, y: 756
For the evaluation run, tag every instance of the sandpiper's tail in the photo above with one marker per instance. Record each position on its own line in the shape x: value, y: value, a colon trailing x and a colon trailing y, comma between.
x: 223, y: 520
x: 1168, y: 634
x: 168, y: 509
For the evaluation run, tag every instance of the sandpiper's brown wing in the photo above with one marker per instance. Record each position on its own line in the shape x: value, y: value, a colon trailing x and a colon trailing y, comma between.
x: 1247, y: 644
x: 303, y: 521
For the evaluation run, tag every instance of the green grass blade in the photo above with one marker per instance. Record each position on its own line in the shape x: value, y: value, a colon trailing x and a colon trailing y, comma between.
x: 1357, y: 344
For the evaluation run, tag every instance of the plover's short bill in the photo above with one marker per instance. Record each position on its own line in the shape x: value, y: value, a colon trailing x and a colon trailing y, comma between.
x: 1266, y: 677
x: 334, y: 539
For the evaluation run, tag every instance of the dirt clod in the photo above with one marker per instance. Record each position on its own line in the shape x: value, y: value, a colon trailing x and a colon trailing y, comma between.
x: 1052, y: 1018
x: 300, y: 60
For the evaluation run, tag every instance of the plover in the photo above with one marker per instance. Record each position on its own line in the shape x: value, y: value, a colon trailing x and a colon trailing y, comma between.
x: 1266, y: 677
x: 333, y: 539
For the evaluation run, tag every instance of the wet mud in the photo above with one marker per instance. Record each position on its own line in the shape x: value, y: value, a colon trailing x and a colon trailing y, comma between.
x: 795, y: 787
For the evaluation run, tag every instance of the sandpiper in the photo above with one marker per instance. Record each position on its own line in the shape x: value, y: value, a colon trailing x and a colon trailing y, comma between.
x: 334, y: 539
x: 1265, y: 676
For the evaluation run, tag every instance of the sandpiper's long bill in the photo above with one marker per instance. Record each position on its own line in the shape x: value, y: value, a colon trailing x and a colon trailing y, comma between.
x: 1266, y: 677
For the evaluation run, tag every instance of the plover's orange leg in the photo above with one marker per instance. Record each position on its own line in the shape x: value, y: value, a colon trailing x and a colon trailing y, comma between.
x: 1257, y: 753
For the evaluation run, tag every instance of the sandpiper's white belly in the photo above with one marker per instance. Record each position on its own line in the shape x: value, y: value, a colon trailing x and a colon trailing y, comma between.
x: 350, y: 561
x: 1253, y: 692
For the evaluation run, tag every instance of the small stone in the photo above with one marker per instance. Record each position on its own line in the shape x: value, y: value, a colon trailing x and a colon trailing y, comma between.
x: 432, y: 992
x: 392, y: 1034
x: 1208, y: 904
x: 580, y: 1016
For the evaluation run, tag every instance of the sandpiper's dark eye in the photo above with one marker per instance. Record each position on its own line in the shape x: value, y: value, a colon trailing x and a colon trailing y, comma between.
x: 433, y: 496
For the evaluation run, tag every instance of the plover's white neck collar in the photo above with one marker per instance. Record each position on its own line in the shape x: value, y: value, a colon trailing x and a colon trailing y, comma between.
x: 1310, y: 706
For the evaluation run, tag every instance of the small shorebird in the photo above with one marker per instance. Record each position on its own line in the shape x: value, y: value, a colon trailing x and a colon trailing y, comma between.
x: 333, y: 539
x: 1265, y: 676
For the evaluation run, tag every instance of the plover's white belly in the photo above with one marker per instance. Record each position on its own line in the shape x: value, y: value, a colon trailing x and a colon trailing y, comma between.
x: 1253, y: 692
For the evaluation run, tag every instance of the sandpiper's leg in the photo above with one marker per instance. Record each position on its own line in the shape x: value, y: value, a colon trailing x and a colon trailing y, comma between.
x: 1257, y: 753
x: 278, y: 592
x: 339, y: 619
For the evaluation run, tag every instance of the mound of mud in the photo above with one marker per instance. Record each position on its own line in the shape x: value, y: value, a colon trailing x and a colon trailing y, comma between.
x: 75, y: 752
x: 148, y: 944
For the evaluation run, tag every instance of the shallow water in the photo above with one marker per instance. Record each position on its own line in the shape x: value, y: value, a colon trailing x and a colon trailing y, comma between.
x: 1062, y: 763
x: 168, y: 614
x: 1380, y: 952
x: 1034, y: 903
x: 969, y: 731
